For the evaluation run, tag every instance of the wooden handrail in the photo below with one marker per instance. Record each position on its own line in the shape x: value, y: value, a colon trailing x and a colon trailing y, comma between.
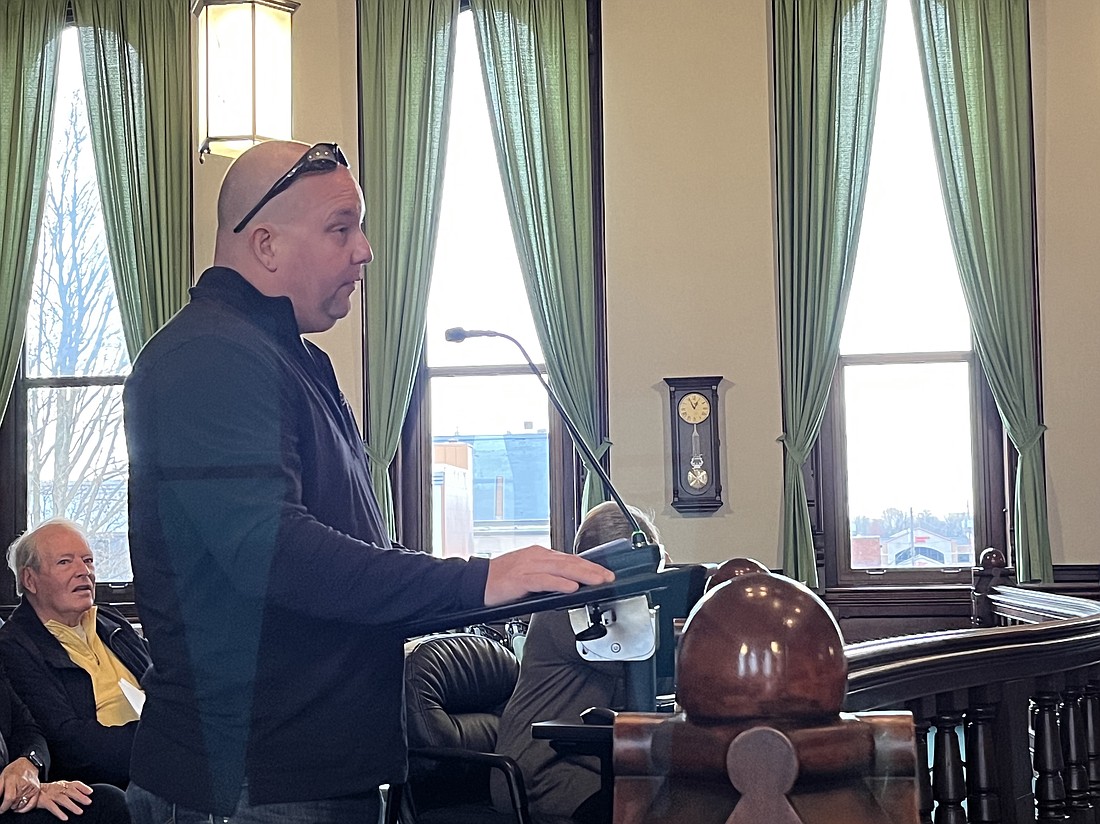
x: 890, y: 672
x: 1039, y: 606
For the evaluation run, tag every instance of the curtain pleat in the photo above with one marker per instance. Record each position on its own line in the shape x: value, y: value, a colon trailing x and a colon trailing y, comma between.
x: 136, y: 58
x: 30, y: 31
x: 535, y: 62
x: 827, y: 55
x: 976, y: 67
x: 406, y: 59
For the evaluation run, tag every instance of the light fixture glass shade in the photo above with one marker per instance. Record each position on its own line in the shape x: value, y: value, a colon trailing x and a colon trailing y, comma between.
x: 243, y: 73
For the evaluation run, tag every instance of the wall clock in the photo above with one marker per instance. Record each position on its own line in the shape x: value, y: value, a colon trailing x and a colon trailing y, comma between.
x: 696, y: 482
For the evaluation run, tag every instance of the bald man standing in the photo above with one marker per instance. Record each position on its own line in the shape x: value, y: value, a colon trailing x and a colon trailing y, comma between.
x: 270, y: 593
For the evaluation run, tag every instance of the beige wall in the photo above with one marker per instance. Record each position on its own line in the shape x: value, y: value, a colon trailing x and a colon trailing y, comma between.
x: 690, y: 266
x: 1066, y: 65
x: 690, y: 261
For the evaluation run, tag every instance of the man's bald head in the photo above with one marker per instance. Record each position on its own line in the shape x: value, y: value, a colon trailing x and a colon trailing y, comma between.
x: 251, y: 175
x: 306, y: 242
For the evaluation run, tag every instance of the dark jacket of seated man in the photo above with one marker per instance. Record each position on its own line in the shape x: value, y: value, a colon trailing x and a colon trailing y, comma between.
x: 59, y: 692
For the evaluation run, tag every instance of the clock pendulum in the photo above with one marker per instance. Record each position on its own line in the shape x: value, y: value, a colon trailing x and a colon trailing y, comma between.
x: 694, y: 408
x: 697, y: 475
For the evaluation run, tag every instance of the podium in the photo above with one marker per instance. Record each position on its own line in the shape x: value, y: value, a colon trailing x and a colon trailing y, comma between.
x: 641, y: 676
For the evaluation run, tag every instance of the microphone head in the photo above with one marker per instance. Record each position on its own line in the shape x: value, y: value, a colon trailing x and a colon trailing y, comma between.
x: 455, y: 335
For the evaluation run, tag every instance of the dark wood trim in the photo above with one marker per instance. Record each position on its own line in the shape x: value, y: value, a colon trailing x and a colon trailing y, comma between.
x: 995, y: 468
x: 1080, y: 580
x: 599, y: 274
x: 870, y: 612
x: 1077, y: 573
x: 566, y: 480
x: 13, y: 481
x: 897, y: 596
x: 411, y: 469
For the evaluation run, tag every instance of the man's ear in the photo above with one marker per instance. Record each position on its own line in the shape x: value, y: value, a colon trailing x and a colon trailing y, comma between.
x: 29, y: 581
x: 262, y: 243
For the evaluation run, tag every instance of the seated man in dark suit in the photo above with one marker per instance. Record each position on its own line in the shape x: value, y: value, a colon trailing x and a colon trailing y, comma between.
x: 556, y: 683
x: 77, y: 666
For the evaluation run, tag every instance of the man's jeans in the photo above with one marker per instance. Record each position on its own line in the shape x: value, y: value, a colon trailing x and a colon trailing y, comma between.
x: 146, y: 808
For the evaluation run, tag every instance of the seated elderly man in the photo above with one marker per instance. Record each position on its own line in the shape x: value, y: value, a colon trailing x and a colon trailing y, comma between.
x: 69, y: 659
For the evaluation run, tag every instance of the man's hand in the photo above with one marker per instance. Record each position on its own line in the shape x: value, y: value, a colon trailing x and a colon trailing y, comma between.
x: 60, y: 796
x: 18, y: 786
x: 538, y: 569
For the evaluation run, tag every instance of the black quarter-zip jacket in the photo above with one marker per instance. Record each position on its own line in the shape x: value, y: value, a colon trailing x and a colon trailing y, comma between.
x: 266, y: 584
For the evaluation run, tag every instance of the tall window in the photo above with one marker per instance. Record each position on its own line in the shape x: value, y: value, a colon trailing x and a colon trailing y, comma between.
x: 68, y: 397
x: 909, y: 409
x: 489, y: 415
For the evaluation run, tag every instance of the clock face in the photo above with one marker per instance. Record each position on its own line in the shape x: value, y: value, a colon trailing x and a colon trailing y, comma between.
x: 694, y: 408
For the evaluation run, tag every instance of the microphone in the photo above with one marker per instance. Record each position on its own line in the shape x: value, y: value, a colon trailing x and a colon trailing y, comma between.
x: 638, y: 538
x: 619, y: 630
x: 457, y: 334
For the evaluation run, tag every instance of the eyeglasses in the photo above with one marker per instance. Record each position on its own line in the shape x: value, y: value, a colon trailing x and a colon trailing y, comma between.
x: 323, y: 157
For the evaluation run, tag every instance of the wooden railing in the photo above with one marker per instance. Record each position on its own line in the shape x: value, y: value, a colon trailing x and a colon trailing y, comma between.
x: 998, y: 724
x: 1014, y: 704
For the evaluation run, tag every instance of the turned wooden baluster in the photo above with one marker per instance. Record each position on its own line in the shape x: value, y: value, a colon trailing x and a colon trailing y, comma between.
x: 1075, y: 748
x: 923, y: 709
x: 982, y: 801
x: 948, y: 781
x: 1092, y: 731
x: 1050, y: 790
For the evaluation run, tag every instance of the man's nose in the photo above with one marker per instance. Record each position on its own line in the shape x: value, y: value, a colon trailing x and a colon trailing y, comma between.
x: 365, y: 252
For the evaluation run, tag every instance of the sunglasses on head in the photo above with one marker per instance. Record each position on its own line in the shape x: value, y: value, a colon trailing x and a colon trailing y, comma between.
x: 323, y: 157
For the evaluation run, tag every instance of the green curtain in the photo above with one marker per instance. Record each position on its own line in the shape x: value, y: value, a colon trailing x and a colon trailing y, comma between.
x: 29, y: 34
x: 827, y: 55
x: 977, y: 77
x: 136, y: 56
x: 406, y: 60
x: 535, y: 62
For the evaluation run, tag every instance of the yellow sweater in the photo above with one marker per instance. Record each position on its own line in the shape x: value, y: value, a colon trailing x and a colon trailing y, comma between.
x: 87, y: 650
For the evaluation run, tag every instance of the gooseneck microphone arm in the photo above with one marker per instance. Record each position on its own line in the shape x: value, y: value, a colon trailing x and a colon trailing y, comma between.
x: 638, y: 537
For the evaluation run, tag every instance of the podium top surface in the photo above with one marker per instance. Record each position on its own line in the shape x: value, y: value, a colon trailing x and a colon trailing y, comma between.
x: 621, y: 587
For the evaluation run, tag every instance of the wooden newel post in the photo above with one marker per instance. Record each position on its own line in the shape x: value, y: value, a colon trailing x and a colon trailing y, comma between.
x: 992, y: 571
x: 761, y: 678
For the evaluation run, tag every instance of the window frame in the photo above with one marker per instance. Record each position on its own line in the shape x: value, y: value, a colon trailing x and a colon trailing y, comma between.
x: 13, y: 483
x: 993, y: 460
x: 410, y: 472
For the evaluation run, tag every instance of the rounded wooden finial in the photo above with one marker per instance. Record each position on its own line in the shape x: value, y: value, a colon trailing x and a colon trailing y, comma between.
x: 761, y: 645
x: 731, y: 569
x: 992, y: 558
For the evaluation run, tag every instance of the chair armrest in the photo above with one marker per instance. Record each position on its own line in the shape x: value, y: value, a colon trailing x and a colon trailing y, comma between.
x: 512, y: 774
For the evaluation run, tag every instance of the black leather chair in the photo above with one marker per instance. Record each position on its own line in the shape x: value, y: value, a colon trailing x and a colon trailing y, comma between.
x: 456, y: 687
